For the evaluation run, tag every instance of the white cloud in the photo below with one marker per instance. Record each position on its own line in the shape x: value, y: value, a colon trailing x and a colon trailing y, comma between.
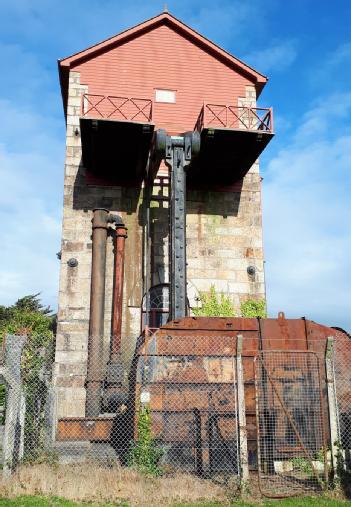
x: 340, y: 56
x: 307, y: 218
x: 277, y: 57
x: 30, y: 210
x: 327, y: 118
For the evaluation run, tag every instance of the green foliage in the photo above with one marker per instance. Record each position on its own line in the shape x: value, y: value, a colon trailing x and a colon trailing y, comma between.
x: 253, y: 308
x: 145, y: 455
x: 28, y: 317
x: 32, y: 303
x: 213, y: 305
x: 302, y: 465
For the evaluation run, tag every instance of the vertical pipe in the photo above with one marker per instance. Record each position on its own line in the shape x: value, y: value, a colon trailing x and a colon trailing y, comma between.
x: 97, y: 311
x: 120, y: 237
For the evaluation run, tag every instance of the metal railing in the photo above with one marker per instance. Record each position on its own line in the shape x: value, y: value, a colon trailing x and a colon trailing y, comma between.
x: 235, y: 117
x: 116, y: 108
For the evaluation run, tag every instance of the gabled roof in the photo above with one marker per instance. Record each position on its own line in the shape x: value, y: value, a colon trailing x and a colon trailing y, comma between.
x: 165, y: 18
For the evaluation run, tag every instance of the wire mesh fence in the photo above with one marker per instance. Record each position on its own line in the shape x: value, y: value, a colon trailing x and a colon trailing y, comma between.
x: 165, y: 411
x: 193, y: 405
x: 291, y: 432
x: 342, y: 372
x: 159, y: 414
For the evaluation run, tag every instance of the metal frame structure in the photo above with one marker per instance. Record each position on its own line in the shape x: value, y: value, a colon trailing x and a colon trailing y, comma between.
x: 179, y: 153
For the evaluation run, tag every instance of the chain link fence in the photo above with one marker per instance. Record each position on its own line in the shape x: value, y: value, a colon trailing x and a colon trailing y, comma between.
x: 164, y: 414
x: 342, y: 372
x: 291, y: 431
x: 192, y: 402
x: 245, y: 415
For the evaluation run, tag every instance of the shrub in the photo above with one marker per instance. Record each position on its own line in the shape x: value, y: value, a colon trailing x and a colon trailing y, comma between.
x: 145, y: 455
x: 213, y: 305
x: 253, y: 308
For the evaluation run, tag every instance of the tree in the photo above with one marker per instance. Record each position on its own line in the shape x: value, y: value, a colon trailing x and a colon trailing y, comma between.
x: 32, y: 303
x: 27, y: 316
x: 30, y: 318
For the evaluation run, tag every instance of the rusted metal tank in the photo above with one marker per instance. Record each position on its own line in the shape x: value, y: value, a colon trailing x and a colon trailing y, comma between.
x: 186, y: 374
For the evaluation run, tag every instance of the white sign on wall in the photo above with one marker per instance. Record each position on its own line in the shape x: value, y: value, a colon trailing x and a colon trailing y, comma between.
x: 165, y: 96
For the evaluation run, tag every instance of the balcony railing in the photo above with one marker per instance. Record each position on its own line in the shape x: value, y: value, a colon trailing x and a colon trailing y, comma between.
x: 235, y: 117
x: 116, y: 108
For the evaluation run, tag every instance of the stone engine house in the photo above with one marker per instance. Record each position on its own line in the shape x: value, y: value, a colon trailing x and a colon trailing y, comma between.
x: 159, y: 76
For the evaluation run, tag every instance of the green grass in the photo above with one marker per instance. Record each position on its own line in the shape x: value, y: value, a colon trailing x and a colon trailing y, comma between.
x: 39, y: 501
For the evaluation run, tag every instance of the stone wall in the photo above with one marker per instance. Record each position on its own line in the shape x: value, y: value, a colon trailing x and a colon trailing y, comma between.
x: 224, y: 236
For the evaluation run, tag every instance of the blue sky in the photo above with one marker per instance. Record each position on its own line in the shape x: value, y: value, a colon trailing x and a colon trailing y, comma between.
x: 303, y: 46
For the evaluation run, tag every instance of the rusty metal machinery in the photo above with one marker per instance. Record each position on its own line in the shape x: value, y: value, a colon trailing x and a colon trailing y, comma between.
x: 186, y: 371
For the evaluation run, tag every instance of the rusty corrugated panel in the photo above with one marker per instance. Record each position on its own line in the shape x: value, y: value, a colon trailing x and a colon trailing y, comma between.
x: 209, y: 344
x: 197, y: 339
x: 84, y: 428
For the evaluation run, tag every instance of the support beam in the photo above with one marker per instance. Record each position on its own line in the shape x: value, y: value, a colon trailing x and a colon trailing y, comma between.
x: 177, y: 234
x: 332, y: 403
x: 244, y: 463
x: 179, y: 152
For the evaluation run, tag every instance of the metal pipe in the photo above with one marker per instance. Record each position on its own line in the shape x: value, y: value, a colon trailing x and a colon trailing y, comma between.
x: 97, y: 312
x: 119, y: 245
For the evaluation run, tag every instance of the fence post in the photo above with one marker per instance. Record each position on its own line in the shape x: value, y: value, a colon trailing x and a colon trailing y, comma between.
x: 332, y: 403
x: 244, y: 464
x: 13, y: 442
